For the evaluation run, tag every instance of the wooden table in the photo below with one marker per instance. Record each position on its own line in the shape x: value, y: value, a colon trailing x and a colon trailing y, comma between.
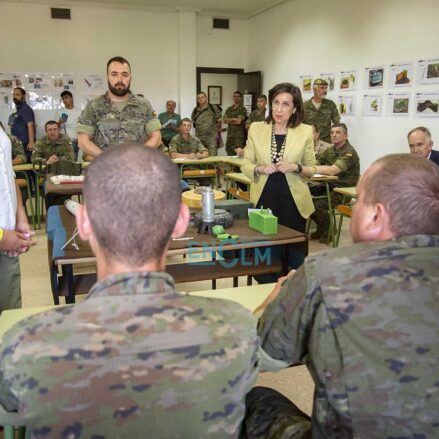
x: 61, y: 225
x: 350, y: 191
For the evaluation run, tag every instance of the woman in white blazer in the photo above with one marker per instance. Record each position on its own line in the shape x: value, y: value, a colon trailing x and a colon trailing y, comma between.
x: 278, y: 155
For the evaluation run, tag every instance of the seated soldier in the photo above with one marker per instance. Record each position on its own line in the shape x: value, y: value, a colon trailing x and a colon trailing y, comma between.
x: 319, y: 145
x: 341, y: 160
x: 53, y: 146
x: 18, y: 154
x: 184, y: 145
x: 136, y: 358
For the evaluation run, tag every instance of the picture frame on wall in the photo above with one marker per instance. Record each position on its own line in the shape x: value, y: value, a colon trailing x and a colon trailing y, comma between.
x: 214, y: 94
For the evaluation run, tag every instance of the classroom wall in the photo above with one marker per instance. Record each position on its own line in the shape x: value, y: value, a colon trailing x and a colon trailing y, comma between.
x: 311, y: 36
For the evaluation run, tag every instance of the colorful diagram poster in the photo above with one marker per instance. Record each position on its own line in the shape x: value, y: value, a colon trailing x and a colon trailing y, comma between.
x: 93, y: 81
x: 346, y: 105
x: 401, y: 75
x: 428, y: 71
x: 306, y: 83
x: 63, y: 81
x: 329, y: 78
x: 348, y: 80
x: 372, y: 105
x: 427, y: 104
x: 374, y: 77
x: 398, y: 104
x: 38, y: 81
x: 8, y: 81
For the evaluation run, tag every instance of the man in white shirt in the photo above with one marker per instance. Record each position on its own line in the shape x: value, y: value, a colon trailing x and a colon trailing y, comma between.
x: 15, y: 233
x: 67, y: 119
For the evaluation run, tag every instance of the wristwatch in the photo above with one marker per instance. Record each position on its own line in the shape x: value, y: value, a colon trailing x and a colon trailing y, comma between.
x: 299, y: 169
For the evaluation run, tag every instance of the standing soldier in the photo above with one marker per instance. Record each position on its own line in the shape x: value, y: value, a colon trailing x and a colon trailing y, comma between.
x: 235, y: 117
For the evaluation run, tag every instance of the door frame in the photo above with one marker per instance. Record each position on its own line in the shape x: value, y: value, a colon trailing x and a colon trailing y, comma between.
x: 224, y: 71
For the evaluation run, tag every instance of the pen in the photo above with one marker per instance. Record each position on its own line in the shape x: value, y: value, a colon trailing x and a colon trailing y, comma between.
x: 184, y: 238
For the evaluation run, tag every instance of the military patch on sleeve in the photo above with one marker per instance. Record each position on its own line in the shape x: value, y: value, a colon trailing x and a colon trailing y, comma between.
x: 348, y: 155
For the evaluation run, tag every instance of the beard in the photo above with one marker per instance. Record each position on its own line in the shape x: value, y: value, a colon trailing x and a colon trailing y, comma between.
x: 16, y: 101
x: 119, y: 89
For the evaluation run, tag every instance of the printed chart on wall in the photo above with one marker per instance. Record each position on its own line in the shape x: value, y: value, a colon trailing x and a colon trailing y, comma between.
x: 329, y: 78
x: 38, y: 81
x: 346, y: 105
x: 348, y: 80
x: 374, y: 77
x: 401, y: 75
x: 93, y: 81
x: 428, y: 71
x: 6, y: 100
x: 306, y: 83
x: 8, y: 81
x: 427, y: 104
x: 398, y: 104
x: 372, y: 105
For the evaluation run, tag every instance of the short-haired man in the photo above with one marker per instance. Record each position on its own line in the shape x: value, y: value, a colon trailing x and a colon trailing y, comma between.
x: 341, y: 160
x: 135, y: 358
x: 67, y: 119
x: 257, y: 115
x: 184, y: 145
x: 320, y: 111
x: 23, y: 121
x: 364, y: 319
x: 117, y: 116
x: 235, y: 117
x: 171, y: 120
x: 421, y: 143
x: 15, y: 233
x: 53, y: 146
x: 206, y: 119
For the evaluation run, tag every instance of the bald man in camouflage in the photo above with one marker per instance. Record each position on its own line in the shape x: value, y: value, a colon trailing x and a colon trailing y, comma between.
x: 136, y: 358
x: 364, y: 319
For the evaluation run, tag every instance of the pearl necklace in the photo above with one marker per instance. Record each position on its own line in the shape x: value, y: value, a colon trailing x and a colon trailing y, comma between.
x: 275, y: 155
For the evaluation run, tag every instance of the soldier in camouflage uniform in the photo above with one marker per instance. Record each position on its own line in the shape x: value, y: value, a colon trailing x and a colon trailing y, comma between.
x: 235, y: 117
x: 135, y: 359
x: 206, y: 118
x: 53, y: 146
x: 257, y: 115
x: 186, y: 146
x: 341, y: 160
x: 364, y: 319
x: 18, y: 154
x: 320, y: 111
x: 117, y: 116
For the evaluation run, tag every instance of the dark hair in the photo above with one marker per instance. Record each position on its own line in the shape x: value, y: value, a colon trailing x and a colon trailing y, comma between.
x: 341, y: 125
x: 23, y: 91
x: 66, y: 93
x: 145, y: 186
x: 186, y: 119
x: 262, y: 97
x: 50, y: 122
x: 118, y: 59
x: 237, y: 92
x: 408, y: 187
x: 286, y: 87
x: 425, y: 130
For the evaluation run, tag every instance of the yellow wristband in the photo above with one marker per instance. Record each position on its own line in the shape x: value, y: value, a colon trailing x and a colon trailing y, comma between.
x: 1, y: 234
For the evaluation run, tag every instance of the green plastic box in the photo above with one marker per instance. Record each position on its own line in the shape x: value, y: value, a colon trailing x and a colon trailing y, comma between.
x: 263, y: 221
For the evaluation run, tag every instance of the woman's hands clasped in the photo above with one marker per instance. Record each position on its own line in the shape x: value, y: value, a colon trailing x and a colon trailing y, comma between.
x: 278, y: 167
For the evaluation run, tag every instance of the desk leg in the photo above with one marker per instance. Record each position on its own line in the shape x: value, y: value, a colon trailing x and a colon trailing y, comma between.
x: 68, y: 275
x: 332, y: 226
x: 54, y: 283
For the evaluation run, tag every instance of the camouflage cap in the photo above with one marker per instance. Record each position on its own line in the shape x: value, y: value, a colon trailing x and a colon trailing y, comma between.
x: 320, y: 81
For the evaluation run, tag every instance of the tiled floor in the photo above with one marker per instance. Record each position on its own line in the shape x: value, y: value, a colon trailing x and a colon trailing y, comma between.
x: 295, y: 383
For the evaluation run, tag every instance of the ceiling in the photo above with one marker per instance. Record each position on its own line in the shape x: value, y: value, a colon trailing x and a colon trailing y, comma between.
x: 218, y: 8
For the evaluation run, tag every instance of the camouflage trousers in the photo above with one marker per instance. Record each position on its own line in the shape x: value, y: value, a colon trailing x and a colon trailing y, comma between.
x: 321, y: 214
x: 10, y: 285
x: 270, y: 415
x: 209, y: 142
x: 234, y: 142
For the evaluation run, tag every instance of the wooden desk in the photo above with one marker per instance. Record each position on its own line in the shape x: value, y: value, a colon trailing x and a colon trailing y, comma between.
x: 349, y: 191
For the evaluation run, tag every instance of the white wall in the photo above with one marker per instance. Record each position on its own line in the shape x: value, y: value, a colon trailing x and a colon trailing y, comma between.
x: 312, y: 36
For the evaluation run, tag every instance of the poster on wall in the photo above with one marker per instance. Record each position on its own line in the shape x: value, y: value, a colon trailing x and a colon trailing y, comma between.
x: 398, y: 104
x: 6, y: 101
x: 346, y: 105
x: 93, y: 81
x: 374, y: 77
x: 427, y: 104
x: 348, y: 80
x: 372, y: 105
x: 37, y: 81
x: 401, y: 75
x: 40, y: 100
x: 8, y: 81
x: 329, y: 78
x: 306, y: 83
x: 63, y: 81
x: 428, y: 71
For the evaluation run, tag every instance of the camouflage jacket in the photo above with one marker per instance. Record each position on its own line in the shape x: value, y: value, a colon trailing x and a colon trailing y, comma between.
x: 135, y: 359
x: 43, y: 149
x: 321, y: 147
x: 256, y: 116
x: 346, y: 158
x: 364, y: 319
x: 106, y: 125
x: 236, y: 131
x: 178, y: 144
x: 206, y: 120
x: 17, y: 149
x: 322, y: 117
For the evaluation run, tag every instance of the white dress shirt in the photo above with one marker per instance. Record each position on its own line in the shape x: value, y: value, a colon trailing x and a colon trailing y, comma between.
x: 8, y: 195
